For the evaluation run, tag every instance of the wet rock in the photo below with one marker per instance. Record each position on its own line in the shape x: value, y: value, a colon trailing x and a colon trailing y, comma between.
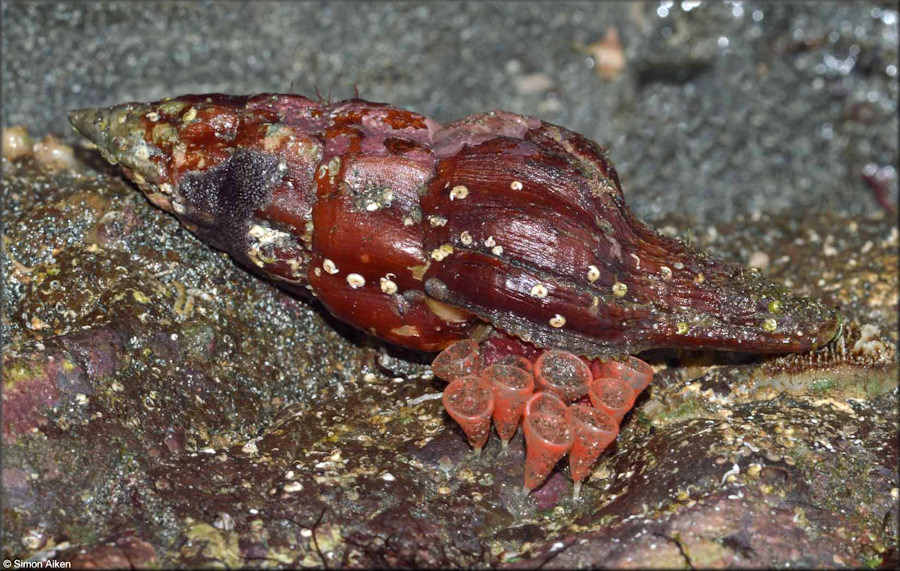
x: 121, y: 553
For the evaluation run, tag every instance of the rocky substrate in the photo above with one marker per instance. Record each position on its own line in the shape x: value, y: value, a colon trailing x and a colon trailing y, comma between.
x: 162, y: 407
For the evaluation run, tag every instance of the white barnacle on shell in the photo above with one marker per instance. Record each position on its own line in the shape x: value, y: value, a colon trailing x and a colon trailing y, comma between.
x: 439, y: 254
x: 593, y: 273
x: 356, y: 281
x: 557, y: 321
x: 388, y: 285
x: 539, y: 291
x: 459, y: 192
x: 515, y: 185
x: 329, y: 266
x: 465, y: 238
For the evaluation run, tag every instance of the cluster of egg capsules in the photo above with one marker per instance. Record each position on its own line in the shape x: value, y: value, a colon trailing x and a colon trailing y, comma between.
x: 566, y: 405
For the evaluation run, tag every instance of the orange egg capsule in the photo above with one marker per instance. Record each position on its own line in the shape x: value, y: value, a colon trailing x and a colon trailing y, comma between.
x: 638, y: 373
x: 594, y: 430
x: 613, y: 396
x: 516, y: 361
x: 470, y: 401
x: 512, y: 389
x: 562, y: 373
x: 459, y: 359
x: 548, y: 436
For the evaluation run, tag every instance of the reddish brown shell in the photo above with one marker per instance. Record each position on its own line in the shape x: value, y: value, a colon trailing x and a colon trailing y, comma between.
x: 422, y: 233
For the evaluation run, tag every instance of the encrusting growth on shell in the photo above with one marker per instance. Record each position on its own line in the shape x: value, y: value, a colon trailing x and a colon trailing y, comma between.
x: 459, y: 192
x: 557, y: 321
x: 539, y: 291
x: 388, y: 286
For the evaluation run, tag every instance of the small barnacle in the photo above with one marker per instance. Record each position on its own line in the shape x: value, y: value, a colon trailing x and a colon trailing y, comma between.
x: 775, y: 306
x: 539, y: 291
x: 557, y: 321
x: 770, y: 325
x: 436, y: 221
x: 593, y: 273
x: 153, y: 116
x: 329, y: 266
x: 356, y: 280
x: 189, y: 115
x: 681, y: 328
x: 459, y: 192
x: 372, y: 206
x: 465, y: 238
x: 497, y: 250
x: 699, y: 279
x: 619, y: 289
x: 665, y: 272
x: 439, y: 254
x: 515, y: 185
x: 490, y: 243
x: 388, y: 286
x: 408, y: 221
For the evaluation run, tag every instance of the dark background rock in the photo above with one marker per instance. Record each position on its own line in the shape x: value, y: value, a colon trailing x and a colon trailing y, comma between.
x: 192, y: 414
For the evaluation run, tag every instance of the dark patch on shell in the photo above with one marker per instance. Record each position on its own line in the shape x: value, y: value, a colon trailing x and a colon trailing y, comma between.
x: 231, y: 192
